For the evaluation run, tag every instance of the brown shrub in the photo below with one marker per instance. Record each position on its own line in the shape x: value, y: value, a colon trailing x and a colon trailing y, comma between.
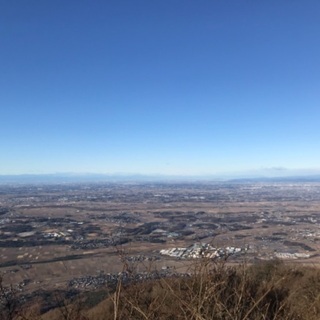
x: 213, y: 290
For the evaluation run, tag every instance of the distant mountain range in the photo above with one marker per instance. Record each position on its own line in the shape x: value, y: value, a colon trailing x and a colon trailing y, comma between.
x: 59, y: 178
x: 313, y: 178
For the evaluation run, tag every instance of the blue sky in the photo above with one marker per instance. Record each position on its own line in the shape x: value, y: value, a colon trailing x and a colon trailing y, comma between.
x: 169, y: 87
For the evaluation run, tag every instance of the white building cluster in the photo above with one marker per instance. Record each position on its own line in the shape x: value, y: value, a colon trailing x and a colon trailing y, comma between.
x: 201, y: 250
x: 289, y: 256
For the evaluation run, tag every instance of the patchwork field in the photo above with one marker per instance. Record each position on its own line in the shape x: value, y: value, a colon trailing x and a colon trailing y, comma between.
x: 52, y: 235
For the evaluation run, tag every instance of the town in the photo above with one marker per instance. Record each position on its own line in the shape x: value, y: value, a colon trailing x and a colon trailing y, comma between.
x: 52, y: 235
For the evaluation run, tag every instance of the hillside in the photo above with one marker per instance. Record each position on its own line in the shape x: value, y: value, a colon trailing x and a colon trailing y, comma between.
x: 211, y: 290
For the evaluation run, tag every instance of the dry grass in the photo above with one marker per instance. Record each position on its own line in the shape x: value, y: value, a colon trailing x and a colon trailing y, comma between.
x: 214, y: 290
x: 265, y: 290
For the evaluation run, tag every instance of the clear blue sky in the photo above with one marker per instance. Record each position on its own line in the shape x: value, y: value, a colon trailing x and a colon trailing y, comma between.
x: 171, y: 87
